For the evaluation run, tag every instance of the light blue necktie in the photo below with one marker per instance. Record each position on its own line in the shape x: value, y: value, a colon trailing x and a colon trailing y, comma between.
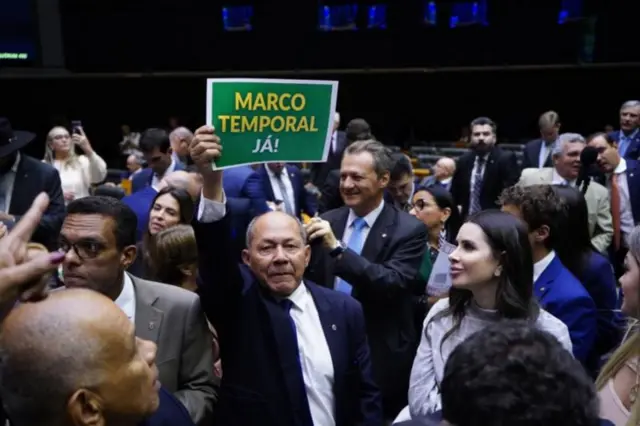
x: 356, y: 241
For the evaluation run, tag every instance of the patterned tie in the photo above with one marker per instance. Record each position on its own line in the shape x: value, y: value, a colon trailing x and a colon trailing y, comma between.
x: 615, y: 210
x: 356, y: 241
x: 477, y: 186
x: 283, y: 191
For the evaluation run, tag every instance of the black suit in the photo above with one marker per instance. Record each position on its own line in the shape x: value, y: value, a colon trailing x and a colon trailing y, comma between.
x: 501, y: 171
x: 319, y: 171
x: 531, y: 154
x: 383, y: 278
x: 33, y: 177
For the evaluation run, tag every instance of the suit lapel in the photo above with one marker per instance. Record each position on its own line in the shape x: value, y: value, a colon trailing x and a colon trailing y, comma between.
x: 545, y: 281
x: 491, y: 169
x: 16, y: 203
x: 328, y: 317
x: 379, y: 234
x: 148, y: 317
x: 339, y: 223
x: 266, y: 183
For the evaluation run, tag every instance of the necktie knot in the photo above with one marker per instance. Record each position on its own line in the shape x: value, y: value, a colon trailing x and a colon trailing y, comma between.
x: 359, y: 224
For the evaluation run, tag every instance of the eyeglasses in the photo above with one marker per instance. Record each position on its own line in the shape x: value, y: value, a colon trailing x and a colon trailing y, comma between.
x: 83, y: 249
x: 419, y: 204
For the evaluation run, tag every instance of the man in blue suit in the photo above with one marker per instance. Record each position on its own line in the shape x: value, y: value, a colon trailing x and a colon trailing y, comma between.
x: 283, y: 184
x: 622, y: 179
x: 155, y: 145
x: 628, y: 137
x: 558, y: 291
x: 295, y: 353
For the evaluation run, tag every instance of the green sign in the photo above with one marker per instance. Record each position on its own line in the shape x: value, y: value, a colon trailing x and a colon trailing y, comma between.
x: 264, y: 120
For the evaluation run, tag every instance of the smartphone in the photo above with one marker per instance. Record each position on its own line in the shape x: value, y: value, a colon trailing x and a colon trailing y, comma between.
x: 76, y: 125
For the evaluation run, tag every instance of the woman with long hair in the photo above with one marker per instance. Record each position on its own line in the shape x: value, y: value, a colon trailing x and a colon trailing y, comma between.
x: 619, y: 381
x: 595, y: 272
x: 77, y: 172
x: 170, y: 207
x: 492, y: 281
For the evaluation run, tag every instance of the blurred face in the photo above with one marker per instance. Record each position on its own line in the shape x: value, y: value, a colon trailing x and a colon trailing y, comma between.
x: 567, y: 164
x: 60, y: 140
x: 402, y: 188
x: 158, y: 160
x: 472, y: 262
x: 629, y: 118
x: 277, y: 254
x: 549, y: 133
x: 164, y: 214
x: 427, y: 211
x: 360, y: 186
x: 132, y: 164
x: 93, y: 259
x: 482, y: 138
x: 441, y: 170
x: 630, y: 283
x: 129, y: 391
x: 608, y: 157
x: 276, y: 167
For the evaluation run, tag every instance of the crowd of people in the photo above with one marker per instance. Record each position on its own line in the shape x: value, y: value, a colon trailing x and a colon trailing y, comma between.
x: 489, y: 293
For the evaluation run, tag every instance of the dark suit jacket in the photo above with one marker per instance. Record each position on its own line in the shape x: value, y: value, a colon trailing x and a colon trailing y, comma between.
x: 254, y: 388
x: 33, y: 177
x: 383, y: 278
x: 330, y: 197
x: 319, y: 171
x: 244, y: 182
x: 144, y: 178
x: 564, y: 297
x: 531, y: 155
x: 140, y: 203
x: 170, y: 412
x: 305, y: 201
x: 633, y: 149
x: 501, y: 171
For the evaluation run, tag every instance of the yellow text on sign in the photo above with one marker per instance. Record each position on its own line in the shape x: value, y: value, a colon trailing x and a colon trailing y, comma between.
x: 262, y: 123
x: 270, y: 102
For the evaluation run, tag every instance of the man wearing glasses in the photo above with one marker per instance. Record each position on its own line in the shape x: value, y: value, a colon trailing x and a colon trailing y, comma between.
x: 99, y: 238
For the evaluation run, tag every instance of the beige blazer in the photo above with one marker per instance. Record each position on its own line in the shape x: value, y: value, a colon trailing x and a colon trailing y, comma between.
x: 173, y: 318
x: 598, y: 204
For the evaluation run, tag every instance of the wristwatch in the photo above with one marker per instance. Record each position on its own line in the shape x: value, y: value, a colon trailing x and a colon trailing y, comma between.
x: 338, y: 250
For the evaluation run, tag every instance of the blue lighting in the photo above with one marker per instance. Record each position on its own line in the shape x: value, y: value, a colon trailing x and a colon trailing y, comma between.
x: 377, y: 17
x: 237, y: 18
x: 570, y: 10
x: 468, y: 13
x: 339, y: 17
x: 430, y: 13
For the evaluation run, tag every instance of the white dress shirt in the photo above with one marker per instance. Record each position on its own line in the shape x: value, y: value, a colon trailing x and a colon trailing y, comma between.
x: 127, y: 299
x: 542, y: 264
x: 559, y: 180
x: 626, y: 214
x: 287, y: 185
x: 315, y: 357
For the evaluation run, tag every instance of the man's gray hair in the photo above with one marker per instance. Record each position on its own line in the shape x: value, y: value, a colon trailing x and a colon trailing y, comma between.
x: 249, y: 234
x: 630, y: 104
x: 181, y: 133
x: 382, y: 161
x: 138, y: 158
x: 564, y: 139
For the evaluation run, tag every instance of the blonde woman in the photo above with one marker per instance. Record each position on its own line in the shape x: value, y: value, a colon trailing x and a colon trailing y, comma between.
x: 619, y: 381
x: 77, y: 172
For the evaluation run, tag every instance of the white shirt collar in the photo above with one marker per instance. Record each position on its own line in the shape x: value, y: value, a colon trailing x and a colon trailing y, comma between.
x: 621, y: 168
x: 540, y: 266
x: 446, y: 181
x: 300, y: 297
x: 127, y: 298
x: 559, y: 180
x: 14, y: 168
x: 273, y: 175
x: 370, y: 219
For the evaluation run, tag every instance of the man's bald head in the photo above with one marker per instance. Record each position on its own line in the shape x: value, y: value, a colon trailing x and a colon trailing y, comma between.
x: 70, y: 343
x: 445, y: 168
x: 180, y: 139
x: 190, y: 182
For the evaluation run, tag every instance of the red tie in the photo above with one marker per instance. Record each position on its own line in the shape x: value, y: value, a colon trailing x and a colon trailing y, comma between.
x: 615, y: 210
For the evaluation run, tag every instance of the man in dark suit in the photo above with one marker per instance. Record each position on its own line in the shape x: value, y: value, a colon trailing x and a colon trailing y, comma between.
x: 537, y: 153
x: 22, y: 178
x: 483, y: 172
x: 155, y: 145
x: 622, y: 179
x: 283, y: 185
x: 294, y: 353
x: 372, y: 251
x: 628, y: 137
x: 319, y: 171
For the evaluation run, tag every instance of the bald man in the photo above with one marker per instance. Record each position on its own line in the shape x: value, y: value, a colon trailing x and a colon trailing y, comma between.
x: 180, y: 139
x: 443, y: 172
x: 73, y: 359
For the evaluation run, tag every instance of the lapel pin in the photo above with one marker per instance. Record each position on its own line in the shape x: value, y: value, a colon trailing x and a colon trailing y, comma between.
x: 152, y: 325
x: 541, y: 288
x: 384, y: 235
x: 333, y: 327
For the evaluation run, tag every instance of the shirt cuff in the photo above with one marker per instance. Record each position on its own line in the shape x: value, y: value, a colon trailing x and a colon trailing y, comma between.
x: 210, y: 210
